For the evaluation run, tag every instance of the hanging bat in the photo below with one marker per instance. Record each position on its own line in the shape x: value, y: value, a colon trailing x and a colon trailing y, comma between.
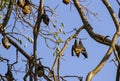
x: 21, y: 3
x: 45, y: 19
x: 26, y: 8
x: 79, y: 48
x: 40, y: 70
x: 6, y: 42
x: 66, y: 1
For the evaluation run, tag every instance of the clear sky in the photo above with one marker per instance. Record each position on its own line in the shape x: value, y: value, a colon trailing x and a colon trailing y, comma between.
x: 102, y: 24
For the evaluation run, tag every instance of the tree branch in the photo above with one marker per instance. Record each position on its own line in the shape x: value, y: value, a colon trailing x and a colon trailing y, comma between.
x: 98, y: 38
x: 116, y: 22
x: 118, y: 2
x: 103, y: 61
x: 19, y: 48
x: 2, y: 31
x: 118, y: 73
x: 9, y: 11
x: 65, y: 46
x: 35, y: 33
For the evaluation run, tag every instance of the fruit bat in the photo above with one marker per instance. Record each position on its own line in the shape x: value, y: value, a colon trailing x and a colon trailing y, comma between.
x: 6, y: 42
x: 26, y: 8
x: 40, y: 70
x: 9, y: 75
x: 66, y: 1
x: 79, y: 48
x: 21, y: 3
x: 45, y: 18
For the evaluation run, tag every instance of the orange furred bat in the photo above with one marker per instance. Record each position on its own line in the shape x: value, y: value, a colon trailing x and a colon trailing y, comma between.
x: 6, y: 42
x: 79, y: 48
x: 66, y: 1
x: 26, y: 9
x: 21, y: 3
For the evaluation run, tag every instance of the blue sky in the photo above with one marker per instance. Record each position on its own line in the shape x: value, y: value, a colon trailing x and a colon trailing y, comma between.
x: 102, y: 24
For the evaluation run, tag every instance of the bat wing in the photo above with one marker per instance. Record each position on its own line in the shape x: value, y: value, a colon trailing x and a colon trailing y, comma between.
x: 72, y: 50
x: 85, y: 54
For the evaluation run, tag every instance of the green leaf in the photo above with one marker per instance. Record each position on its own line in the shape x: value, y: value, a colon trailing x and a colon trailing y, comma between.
x: 0, y: 16
x: 30, y: 39
x: 55, y: 21
x: 54, y: 54
x: 60, y: 29
x: 19, y: 40
x: 62, y: 24
x: 59, y: 40
x: 54, y: 25
x: 55, y: 34
x: 0, y: 44
x: 57, y: 49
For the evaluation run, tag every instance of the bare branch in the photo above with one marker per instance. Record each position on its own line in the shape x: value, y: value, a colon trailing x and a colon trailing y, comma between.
x: 118, y: 2
x: 36, y: 32
x: 65, y: 46
x: 94, y: 36
x: 58, y: 69
x: 103, y: 61
x: 19, y: 48
x: 97, y: 37
x: 9, y: 11
x: 118, y: 73
x: 116, y: 22
x: 115, y: 53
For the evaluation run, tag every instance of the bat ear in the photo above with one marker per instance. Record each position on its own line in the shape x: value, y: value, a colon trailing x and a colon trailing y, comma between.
x: 75, y: 42
x: 80, y: 42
